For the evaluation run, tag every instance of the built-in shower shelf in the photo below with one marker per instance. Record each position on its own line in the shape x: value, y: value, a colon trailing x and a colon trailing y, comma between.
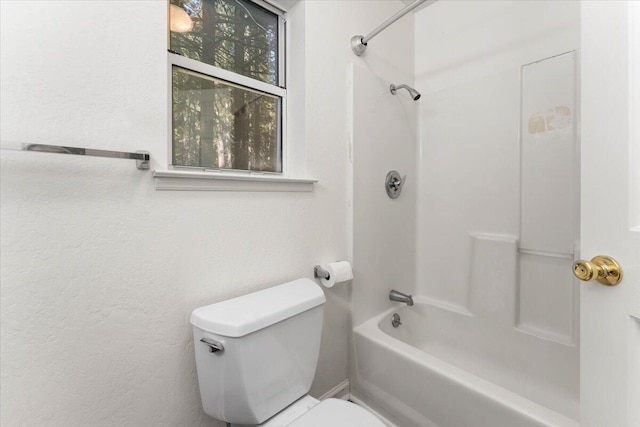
x: 226, y: 181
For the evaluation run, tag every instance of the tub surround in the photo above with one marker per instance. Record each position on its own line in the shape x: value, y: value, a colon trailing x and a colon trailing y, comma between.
x: 488, y: 245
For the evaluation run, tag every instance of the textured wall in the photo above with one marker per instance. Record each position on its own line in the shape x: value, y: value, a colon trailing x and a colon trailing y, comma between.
x: 99, y: 271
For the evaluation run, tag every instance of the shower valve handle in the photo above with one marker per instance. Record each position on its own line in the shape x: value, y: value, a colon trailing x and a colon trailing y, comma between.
x: 397, y: 183
x: 393, y: 184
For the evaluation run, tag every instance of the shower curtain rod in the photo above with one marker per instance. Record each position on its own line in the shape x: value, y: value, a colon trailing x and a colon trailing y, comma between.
x: 359, y: 43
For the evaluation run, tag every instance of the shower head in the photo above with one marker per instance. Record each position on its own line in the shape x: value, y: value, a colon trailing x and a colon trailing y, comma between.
x: 415, y: 95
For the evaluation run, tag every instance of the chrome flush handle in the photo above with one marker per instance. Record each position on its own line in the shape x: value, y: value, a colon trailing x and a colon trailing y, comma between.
x: 214, y: 346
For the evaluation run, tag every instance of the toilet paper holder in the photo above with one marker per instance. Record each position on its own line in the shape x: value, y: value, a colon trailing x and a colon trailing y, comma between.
x: 333, y: 273
x: 321, y: 273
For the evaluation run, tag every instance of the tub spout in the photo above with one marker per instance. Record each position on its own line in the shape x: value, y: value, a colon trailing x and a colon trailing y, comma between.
x: 400, y: 297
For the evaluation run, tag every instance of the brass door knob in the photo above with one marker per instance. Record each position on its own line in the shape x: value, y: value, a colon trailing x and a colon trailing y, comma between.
x: 602, y: 268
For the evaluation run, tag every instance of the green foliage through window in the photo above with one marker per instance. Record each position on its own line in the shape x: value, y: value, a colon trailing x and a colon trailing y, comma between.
x: 217, y: 124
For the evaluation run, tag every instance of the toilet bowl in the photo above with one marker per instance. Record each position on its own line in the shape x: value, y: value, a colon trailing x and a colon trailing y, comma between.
x: 256, y: 357
x: 309, y: 412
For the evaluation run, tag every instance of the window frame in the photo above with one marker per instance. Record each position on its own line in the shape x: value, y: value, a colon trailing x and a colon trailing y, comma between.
x: 226, y: 76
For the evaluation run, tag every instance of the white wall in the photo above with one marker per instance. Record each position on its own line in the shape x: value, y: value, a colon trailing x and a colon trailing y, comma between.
x: 384, y: 229
x: 384, y: 138
x: 99, y: 271
x: 332, y: 104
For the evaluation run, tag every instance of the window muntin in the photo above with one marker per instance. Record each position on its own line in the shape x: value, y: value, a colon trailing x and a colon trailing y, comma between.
x: 227, y: 94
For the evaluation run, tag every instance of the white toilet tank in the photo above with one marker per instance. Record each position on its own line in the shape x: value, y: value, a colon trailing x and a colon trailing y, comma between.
x: 270, y: 340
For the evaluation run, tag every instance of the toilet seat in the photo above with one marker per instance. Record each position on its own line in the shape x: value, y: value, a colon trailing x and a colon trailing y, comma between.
x: 337, y: 413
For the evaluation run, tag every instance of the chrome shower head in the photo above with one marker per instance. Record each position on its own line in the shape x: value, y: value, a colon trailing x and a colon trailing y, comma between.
x: 415, y: 95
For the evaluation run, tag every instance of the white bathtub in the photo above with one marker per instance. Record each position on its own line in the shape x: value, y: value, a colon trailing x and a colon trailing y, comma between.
x: 447, y: 369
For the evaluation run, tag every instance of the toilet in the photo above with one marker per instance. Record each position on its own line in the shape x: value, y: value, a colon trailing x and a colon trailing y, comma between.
x: 256, y: 357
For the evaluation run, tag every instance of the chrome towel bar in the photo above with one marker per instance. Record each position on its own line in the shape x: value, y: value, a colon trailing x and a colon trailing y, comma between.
x: 142, y: 158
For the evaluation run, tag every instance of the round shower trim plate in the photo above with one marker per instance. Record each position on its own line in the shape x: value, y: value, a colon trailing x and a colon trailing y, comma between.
x: 357, y: 46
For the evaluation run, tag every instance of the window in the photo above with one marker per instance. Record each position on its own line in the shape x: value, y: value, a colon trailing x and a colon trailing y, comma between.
x: 227, y: 78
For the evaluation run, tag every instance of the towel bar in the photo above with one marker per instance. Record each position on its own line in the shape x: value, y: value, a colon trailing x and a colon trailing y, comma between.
x: 142, y: 158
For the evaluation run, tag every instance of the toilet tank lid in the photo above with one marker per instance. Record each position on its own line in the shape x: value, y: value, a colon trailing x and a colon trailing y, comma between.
x: 242, y: 315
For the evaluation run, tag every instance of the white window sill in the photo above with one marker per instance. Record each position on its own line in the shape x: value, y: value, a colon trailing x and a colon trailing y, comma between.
x: 226, y: 181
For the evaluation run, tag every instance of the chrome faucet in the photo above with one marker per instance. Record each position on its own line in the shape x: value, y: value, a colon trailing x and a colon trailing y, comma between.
x: 400, y: 297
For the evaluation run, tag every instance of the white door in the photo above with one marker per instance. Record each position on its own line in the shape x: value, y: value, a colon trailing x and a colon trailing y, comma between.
x: 610, y: 212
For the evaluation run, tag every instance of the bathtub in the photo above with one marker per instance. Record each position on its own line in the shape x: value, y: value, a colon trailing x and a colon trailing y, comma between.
x: 445, y: 368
